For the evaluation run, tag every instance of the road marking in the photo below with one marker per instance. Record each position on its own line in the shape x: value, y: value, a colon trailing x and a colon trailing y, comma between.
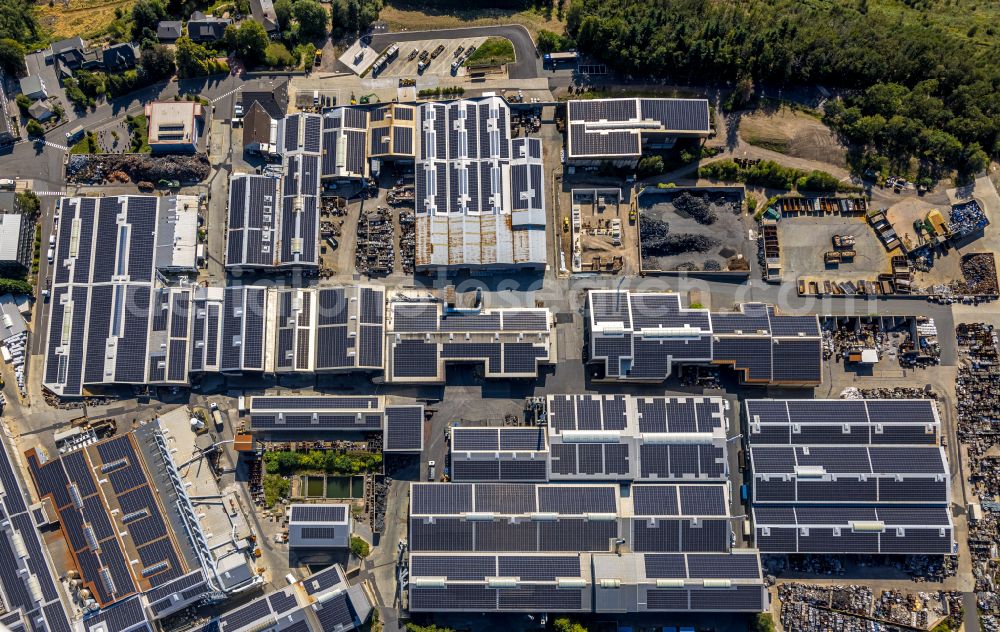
x: 49, y: 193
x: 223, y: 96
x: 56, y: 145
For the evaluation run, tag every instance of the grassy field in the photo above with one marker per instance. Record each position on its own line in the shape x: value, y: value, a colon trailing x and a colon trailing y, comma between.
x: 412, y: 15
x: 86, y: 18
x: 793, y: 133
x: 493, y: 52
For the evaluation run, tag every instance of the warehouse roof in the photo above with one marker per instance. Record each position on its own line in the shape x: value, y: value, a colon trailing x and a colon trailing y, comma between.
x: 638, y: 336
x: 610, y: 128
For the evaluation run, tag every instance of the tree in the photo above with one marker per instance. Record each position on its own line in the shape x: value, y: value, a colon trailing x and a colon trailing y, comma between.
x: 414, y: 627
x: 359, y: 547
x: 12, y: 56
x: 549, y: 42
x: 762, y: 622
x: 249, y: 41
x: 23, y: 103
x: 28, y: 203
x: 146, y: 14
x: 17, y: 21
x: 15, y: 286
x: 192, y: 58
x: 564, y: 624
x: 276, y: 55
x: 312, y: 19
x: 283, y: 11
x: 35, y: 128
x: 157, y: 62
x: 650, y: 166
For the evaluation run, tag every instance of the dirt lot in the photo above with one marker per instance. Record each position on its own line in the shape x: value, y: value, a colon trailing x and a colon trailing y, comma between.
x: 78, y: 17
x: 792, y: 133
x: 602, y: 211
x: 729, y: 233
x: 805, y: 238
x: 408, y: 15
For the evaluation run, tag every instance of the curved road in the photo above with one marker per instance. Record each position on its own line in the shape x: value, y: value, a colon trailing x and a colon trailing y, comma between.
x: 525, y: 67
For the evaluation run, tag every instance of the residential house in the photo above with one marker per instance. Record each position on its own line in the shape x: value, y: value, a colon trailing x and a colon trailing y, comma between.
x: 169, y: 31
x: 272, y: 94
x: 260, y: 131
x: 41, y: 110
x: 263, y: 12
x: 72, y: 53
x: 206, y: 28
x: 120, y: 57
x: 33, y: 87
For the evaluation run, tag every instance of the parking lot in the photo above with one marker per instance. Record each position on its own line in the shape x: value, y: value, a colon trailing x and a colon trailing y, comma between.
x: 406, y: 64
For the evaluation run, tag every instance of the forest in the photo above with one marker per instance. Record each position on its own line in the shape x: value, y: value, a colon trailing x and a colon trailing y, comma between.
x: 936, y: 87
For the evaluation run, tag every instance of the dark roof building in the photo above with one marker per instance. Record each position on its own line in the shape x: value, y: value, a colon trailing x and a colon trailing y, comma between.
x: 620, y: 130
x: 422, y: 336
x: 640, y: 336
x: 119, y: 57
x: 263, y: 12
x: 272, y: 94
x: 109, y: 323
x: 260, y: 131
x: 206, y: 28
x: 168, y: 31
x: 849, y: 476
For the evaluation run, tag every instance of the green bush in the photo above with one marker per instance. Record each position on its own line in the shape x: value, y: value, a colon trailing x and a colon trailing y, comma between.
x: 565, y: 624
x: 413, y: 627
x: 650, y: 166
x: 276, y: 55
x: 492, y: 52
x: 35, y: 128
x: 275, y: 488
x: 29, y: 204
x: 359, y: 547
x: 16, y: 286
x: 23, y: 102
x: 332, y: 462
x: 762, y: 622
x: 770, y: 174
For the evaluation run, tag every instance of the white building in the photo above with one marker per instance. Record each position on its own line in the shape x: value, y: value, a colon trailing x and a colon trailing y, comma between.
x: 319, y: 526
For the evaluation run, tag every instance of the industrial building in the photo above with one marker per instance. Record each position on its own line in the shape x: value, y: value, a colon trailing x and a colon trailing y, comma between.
x: 641, y: 336
x: 131, y: 528
x: 17, y: 233
x: 577, y: 548
x: 601, y: 438
x: 620, y: 131
x: 319, y: 415
x: 32, y: 595
x: 109, y: 321
x: 424, y: 335
x: 849, y: 476
x: 326, y: 525
x: 322, y: 601
x: 480, y: 196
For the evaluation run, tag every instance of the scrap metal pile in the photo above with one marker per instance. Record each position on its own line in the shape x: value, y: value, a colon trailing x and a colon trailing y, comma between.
x: 375, y: 253
x: 657, y: 241
x: 979, y: 271
x: 407, y: 240
x: 853, y: 608
x: 967, y: 218
x: 97, y: 168
x: 978, y: 409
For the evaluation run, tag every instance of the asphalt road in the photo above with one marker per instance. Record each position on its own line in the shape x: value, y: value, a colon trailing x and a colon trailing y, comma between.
x: 526, y: 66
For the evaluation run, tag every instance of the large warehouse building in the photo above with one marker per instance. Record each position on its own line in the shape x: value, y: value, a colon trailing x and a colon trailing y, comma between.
x: 849, y: 476
x: 641, y: 336
x: 621, y: 130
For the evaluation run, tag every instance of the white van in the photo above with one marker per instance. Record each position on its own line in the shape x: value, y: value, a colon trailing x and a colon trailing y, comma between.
x: 52, y: 255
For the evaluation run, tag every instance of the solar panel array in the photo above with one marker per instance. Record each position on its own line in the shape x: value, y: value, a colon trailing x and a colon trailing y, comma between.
x: 640, y: 336
x: 854, y: 529
x: 254, y: 209
x: 501, y: 454
x: 423, y: 338
x: 849, y: 476
x: 121, y: 521
x: 609, y: 128
x: 101, y: 316
x: 324, y: 513
x: 18, y: 565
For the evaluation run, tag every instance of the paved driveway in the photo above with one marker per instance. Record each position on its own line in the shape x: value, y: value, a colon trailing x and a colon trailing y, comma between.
x: 526, y: 66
